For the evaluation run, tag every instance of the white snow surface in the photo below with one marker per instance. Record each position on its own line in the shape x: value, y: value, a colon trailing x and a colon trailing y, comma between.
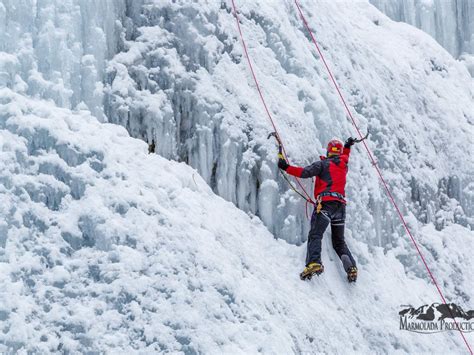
x: 105, y: 248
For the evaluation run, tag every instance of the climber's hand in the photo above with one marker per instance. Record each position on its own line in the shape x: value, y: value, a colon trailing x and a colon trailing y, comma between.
x: 282, y: 164
x: 349, y: 142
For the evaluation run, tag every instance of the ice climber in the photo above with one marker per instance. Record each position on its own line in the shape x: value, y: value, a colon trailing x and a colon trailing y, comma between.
x: 329, y: 191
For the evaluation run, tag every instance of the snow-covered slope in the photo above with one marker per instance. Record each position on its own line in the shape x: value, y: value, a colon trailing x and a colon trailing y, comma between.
x: 105, y: 248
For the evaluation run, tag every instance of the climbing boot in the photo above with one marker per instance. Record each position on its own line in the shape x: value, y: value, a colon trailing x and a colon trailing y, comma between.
x: 311, y: 270
x: 352, y: 274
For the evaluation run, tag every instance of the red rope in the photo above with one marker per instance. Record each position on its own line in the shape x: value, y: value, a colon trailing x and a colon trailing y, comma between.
x: 262, y: 99
x: 377, y: 168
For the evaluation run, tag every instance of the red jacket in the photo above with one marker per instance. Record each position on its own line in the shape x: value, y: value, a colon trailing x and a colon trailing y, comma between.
x: 330, y: 176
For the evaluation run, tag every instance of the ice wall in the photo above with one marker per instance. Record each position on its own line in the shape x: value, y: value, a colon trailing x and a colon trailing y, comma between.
x: 183, y: 83
x: 57, y: 50
x: 450, y: 22
x: 174, y: 73
x: 169, y: 87
x: 105, y: 248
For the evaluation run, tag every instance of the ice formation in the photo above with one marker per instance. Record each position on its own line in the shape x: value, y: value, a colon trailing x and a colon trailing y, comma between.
x: 179, y: 84
x: 450, y: 22
x: 104, y: 248
x: 172, y: 73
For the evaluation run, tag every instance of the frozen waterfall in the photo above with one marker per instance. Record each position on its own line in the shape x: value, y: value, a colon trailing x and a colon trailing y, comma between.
x: 450, y: 22
x: 172, y: 73
x: 105, y: 248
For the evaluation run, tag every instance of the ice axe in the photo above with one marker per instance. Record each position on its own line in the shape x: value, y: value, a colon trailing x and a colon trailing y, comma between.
x: 363, y: 138
x: 281, y: 156
x: 280, y: 147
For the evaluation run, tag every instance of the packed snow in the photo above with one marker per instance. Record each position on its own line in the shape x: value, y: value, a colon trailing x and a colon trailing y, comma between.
x: 105, y: 248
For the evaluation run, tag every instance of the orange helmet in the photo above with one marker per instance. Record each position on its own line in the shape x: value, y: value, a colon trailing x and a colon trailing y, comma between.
x: 335, y: 147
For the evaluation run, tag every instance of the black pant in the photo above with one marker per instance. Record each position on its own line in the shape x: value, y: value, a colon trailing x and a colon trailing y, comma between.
x: 333, y: 212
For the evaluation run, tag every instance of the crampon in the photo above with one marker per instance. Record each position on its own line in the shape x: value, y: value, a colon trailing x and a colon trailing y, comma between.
x: 311, y: 270
x: 352, y: 274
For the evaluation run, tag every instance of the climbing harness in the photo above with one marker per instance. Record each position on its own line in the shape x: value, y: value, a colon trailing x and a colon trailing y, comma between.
x: 331, y: 194
x: 319, y: 199
x: 319, y: 206
x: 372, y: 159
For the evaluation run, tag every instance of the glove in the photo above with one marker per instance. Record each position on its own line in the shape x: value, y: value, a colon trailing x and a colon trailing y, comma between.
x: 282, y: 164
x: 349, y: 142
